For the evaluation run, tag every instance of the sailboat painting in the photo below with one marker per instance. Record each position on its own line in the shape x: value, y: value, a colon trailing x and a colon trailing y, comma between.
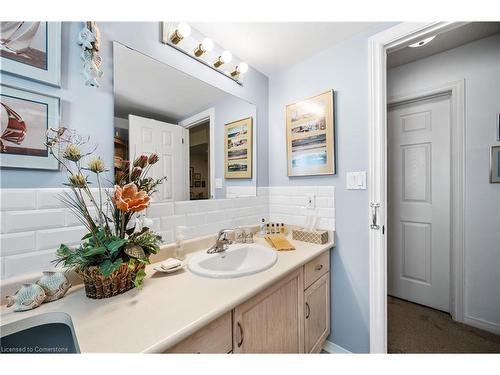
x: 31, y: 49
x: 25, y: 117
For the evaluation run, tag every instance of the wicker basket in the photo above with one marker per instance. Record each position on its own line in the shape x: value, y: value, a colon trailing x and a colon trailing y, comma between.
x: 97, y: 286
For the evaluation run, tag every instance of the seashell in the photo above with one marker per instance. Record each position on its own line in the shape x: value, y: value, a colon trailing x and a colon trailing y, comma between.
x: 28, y: 297
x: 54, y: 284
x: 134, y: 251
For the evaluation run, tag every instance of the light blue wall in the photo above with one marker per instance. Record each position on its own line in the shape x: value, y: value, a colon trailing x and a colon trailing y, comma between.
x: 343, y: 68
x: 228, y: 110
x: 90, y: 110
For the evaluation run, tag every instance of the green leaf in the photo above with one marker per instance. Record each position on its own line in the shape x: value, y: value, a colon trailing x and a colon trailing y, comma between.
x: 63, y: 251
x: 94, y: 251
x: 131, y: 263
x: 108, y: 267
x: 115, y: 245
x: 87, y: 236
x: 139, y: 278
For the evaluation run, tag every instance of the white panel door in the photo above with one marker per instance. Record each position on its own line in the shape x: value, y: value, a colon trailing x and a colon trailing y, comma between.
x: 147, y: 136
x: 418, y: 160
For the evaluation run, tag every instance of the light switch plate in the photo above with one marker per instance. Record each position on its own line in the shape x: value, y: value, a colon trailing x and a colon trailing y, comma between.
x: 218, y: 183
x: 356, y: 180
x: 311, y: 201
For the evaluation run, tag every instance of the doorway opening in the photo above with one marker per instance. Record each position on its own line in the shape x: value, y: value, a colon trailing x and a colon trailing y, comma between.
x: 199, y: 161
x: 403, y: 235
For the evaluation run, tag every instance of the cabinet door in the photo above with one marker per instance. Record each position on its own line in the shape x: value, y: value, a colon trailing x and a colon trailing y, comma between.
x: 272, y: 321
x: 317, y: 314
x: 216, y: 337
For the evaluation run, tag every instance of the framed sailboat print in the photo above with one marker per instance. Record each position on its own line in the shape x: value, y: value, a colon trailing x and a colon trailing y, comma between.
x: 310, y: 131
x: 238, y: 149
x: 31, y: 50
x: 25, y: 117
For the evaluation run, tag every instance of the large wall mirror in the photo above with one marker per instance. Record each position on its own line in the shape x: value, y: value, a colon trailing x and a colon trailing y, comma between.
x: 205, y: 137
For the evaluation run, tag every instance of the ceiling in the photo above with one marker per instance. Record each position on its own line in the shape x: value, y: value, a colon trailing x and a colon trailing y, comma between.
x: 271, y: 47
x: 445, y: 41
x: 140, y: 84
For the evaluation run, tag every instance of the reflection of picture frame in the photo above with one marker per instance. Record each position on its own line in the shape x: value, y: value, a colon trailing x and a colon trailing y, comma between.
x: 31, y: 50
x: 238, y: 149
x: 191, y: 177
x: 25, y: 118
x: 203, y: 184
x: 495, y: 164
x: 197, y: 184
x: 197, y: 176
x: 310, y: 132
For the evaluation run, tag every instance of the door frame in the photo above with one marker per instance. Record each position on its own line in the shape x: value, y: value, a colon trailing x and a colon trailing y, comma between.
x: 192, y: 121
x: 379, y: 45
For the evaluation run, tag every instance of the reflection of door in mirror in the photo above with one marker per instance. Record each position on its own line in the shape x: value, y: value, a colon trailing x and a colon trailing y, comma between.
x: 199, y: 151
x: 147, y: 136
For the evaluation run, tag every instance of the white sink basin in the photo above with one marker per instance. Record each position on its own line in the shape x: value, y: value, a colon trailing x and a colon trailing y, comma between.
x: 238, y: 260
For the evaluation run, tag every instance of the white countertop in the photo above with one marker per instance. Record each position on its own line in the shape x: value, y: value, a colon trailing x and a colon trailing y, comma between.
x: 169, y: 308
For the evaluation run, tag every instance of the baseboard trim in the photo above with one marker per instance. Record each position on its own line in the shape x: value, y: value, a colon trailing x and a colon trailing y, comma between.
x: 482, y: 324
x: 332, y: 348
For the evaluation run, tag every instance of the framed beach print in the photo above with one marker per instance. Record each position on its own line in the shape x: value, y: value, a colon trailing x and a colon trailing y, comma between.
x: 238, y: 149
x: 31, y: 50
x: 495, y: 164
x: 25, y: 117
x: 310, y: 131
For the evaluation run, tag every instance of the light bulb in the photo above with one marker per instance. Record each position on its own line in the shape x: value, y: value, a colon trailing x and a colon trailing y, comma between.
x: 184, y: 29
x: 207, y: 44
x: 226, y: 57
x: 242, y: 67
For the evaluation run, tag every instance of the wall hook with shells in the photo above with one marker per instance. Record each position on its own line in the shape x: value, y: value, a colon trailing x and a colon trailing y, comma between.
x: 89, y: 38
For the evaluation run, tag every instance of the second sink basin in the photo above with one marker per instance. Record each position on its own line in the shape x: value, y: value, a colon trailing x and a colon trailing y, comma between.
x: 238, y: 260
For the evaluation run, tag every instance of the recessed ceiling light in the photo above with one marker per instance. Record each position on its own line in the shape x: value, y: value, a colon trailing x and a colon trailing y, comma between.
x: 422, y: 42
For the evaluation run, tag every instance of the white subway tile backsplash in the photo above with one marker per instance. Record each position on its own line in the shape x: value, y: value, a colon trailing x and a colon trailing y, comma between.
x: 20, y: 221
x: 160, y: 209
x: 16, y: 243
x: 53, y: 238
x: 17, y: 199
x: 49, y: 198
x: 34, y: 223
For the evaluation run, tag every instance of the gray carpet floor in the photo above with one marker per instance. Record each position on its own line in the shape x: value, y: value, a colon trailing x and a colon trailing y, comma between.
x: 414, y: 328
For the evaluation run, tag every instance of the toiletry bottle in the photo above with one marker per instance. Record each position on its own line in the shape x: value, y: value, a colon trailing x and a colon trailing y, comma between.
x: 273, y: 229
x: 262, y: 227
x: 268, y: 231
x: 282, y: 228
x: 179, y: 242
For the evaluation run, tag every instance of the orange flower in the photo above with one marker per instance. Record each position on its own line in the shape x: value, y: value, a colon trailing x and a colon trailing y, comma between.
x: 129, y: 198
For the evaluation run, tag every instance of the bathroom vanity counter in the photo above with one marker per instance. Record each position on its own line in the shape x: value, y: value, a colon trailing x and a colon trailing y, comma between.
x: 168, y: 309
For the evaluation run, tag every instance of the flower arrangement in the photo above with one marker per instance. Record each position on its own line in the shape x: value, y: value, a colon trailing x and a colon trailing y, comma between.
x: 112, y: 255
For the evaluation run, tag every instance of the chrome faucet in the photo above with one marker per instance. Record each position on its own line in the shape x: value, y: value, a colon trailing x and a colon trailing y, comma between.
x: 222, y: 242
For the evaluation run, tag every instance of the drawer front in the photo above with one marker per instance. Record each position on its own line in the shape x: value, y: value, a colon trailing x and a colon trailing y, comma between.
x: 316, y: 268
x: 216, y: 337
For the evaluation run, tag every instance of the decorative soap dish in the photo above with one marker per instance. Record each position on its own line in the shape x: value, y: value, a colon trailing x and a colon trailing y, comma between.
x: 169, y: 266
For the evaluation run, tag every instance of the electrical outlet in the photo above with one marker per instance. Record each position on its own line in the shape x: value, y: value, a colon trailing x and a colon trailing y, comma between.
x: 311, y: 201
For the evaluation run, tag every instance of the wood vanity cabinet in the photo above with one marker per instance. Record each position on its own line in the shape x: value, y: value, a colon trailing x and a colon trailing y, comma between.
x: 271, y: 322
x: 291, y: 316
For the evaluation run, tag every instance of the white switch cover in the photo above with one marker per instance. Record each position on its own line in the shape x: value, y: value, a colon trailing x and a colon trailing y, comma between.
x: 356, y: 180
x: 218, y: 183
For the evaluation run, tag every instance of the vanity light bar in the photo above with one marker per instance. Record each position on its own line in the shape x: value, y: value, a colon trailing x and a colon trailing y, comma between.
x: 187, y: 40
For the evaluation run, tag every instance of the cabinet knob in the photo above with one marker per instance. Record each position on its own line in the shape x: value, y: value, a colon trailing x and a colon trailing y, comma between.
x: 318, y: 267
